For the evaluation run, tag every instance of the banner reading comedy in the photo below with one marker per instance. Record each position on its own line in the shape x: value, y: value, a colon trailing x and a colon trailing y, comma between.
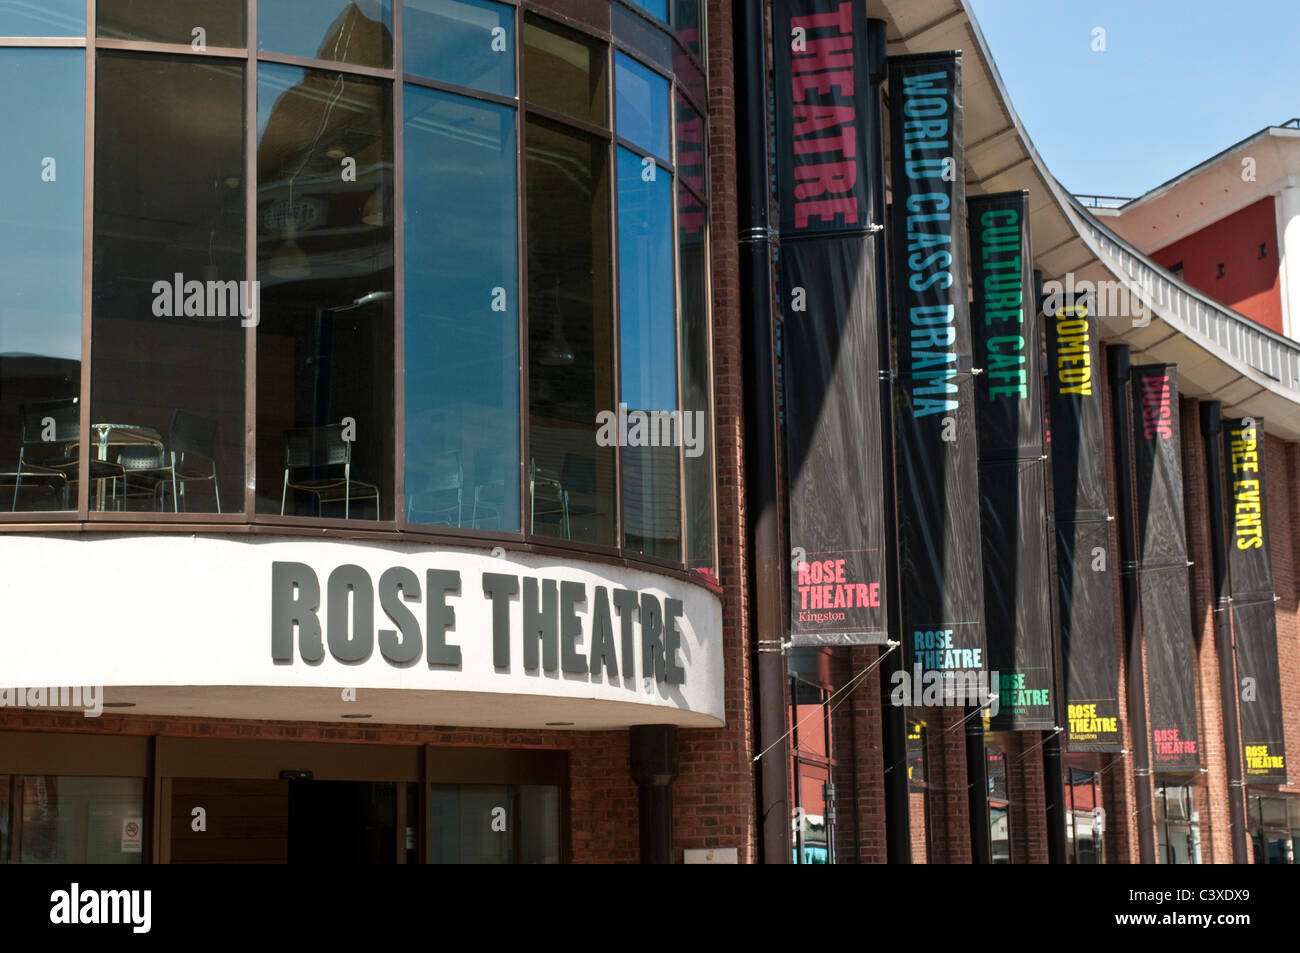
x: 1083, y: 552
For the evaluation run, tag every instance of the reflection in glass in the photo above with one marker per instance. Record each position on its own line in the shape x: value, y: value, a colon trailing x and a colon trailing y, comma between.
x: 347, y: 31
x: 167, y: 375
x: 494, y: 824
x: 469, y: 43
x: 325, y: 262
x: 656, y: 8
x: 564, y: 71
x: 641, y: 106
x: 43, y: 18
x: 42, y: 95
x: 462, y: 313
x: 648, y: 361
x: 72, y: 820
x: 570, y: 342
x: 692, y: 252
x: 686, y: 24
x: 173, y: 21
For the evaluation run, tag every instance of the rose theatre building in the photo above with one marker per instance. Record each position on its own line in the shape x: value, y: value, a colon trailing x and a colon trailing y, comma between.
x: 460, y: 431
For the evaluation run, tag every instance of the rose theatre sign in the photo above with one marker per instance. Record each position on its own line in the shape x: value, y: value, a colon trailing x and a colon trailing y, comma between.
x: 267, y: 627
x: 546, y: 618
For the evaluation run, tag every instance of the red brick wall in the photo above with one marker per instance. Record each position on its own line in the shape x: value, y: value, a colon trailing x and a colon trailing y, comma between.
x: 1282, y: 492
x: 714, y: 797
x: 1250, y: 284
x: 1212, y: 792
x: 1027, y: 797
x: 949, y: 797
x: 859, y: 764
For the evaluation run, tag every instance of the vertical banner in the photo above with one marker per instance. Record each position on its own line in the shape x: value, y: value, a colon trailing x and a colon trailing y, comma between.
x: 1085, y: 570
x: 1012, y: 467
x: 940, y: 554
x: 1162, y: 568
x: 830, y: 324
x: 1254, y: 622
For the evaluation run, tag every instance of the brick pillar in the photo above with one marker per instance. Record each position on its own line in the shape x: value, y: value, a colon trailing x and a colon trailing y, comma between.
x: 949, y: 799
x: 859, y: 772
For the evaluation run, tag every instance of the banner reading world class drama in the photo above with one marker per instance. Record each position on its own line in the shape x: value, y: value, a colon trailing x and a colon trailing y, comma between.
x: 1083, y: 551
x: 1162, y: 568
x: 1254, y: 621
x: 938, y: 481
x: 1012, y: 481
x: 830, y: 324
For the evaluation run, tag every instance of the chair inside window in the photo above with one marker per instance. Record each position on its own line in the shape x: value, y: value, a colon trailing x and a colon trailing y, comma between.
x: 189, y: 457
x: 489, y: 486
x: 317, y: 460
x: 48, y: 451
x: 441, y: 497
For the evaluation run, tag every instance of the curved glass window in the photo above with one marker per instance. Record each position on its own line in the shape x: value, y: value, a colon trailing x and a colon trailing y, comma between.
x: 195, y: 23
x: 41, y: 194
x: 325, y: 410
x: 462, y: 313
x: 167, y: 364
x: 655, y: 430
x: 345, y: 31
x: 457, y: 287
x: 469, y: 43
x: 641, y: 106
x: 43, y: 18
x: 570, y: 334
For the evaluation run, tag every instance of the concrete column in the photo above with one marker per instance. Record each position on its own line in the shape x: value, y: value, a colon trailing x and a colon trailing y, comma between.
x: 1288, y: 220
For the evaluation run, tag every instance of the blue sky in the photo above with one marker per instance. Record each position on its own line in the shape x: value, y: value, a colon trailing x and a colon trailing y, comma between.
x: 1179, y: 81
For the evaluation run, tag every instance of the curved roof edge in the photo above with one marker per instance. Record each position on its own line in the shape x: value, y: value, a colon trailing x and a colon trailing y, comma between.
x: 1221, y: 354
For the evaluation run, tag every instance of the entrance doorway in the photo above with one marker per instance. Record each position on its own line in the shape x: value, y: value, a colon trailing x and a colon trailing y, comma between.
x: 252, y: 821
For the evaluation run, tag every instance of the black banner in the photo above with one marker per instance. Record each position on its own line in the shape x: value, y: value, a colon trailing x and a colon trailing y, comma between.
x: 832, y: 397
x: 821, y: 70
x: 937, y: 443
x: 1162, y: 569
x: 830, y: 325
x: 1013, y: 490
x: 1254, y: 620
x: 1085, y: 580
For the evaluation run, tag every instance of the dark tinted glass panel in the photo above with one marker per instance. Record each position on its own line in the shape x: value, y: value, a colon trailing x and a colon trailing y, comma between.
x: 325, y: 261
x: 462, y: 313
x: 641, y: 106
x: 42, y: 107
x: 656, y: 8
x: 648, y: 341
x: 647, y: 39
x: 349, y: 31
x: 170, y: 286
x: 471, y: 824
x: 198, y: 23
x: 43, y: 18
x: 467, y: 42
x: 69, y: 820
x: 692, y: 255
x: 564, y: 71
x: 686, y: 23
x: 570, y: 344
